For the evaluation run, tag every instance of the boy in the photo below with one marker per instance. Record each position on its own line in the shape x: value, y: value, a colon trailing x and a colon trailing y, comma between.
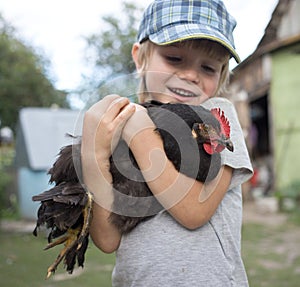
x: 182, y: 55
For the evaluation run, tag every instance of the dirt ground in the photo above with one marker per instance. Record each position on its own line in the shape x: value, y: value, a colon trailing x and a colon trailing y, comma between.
x: 25, y: 226
x: 255, y: 213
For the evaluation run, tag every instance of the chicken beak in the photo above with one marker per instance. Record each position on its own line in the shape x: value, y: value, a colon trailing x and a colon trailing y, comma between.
x: 229, y: 145
x: 226, y: 143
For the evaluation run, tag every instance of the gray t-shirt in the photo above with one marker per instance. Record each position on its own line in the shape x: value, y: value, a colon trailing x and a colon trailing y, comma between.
x: 161, y: 252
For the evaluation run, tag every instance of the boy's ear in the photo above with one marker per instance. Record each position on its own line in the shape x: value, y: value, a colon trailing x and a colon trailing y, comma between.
x: 134, y: 54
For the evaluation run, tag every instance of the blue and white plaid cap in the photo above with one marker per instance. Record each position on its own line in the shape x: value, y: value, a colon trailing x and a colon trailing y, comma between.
x: 168, y: 21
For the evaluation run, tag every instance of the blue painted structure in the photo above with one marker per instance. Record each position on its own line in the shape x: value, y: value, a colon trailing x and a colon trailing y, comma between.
x: 40, y: 135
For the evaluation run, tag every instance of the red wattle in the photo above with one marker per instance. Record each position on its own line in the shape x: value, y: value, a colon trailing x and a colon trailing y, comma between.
x: 219, y: 148
x: 208, y: 148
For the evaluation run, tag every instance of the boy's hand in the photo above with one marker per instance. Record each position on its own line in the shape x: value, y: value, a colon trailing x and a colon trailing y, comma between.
x: 103, y: 124
x: 102, y: 127
x: 138, y: 122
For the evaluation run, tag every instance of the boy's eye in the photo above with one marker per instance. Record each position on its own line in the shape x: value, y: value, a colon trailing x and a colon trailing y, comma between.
x: 173, y: 59
x: 209, y: 69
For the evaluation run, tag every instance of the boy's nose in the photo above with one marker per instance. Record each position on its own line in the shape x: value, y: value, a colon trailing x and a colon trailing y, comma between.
x: 189, y: 74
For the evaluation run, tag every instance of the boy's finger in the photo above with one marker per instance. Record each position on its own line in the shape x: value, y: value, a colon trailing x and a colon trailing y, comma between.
x: 98, y: 109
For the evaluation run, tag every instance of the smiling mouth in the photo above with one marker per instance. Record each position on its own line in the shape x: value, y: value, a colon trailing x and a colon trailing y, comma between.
x: 182, y: 93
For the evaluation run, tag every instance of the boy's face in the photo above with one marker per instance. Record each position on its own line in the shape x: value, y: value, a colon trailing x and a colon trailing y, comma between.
x: 182, y: 74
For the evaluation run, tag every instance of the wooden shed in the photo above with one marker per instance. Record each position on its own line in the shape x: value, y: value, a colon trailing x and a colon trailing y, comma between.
x: 40, y: 135
x: 265, y: 88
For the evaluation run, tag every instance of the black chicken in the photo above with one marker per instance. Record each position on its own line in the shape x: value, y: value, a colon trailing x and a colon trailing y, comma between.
x: 193, y: 138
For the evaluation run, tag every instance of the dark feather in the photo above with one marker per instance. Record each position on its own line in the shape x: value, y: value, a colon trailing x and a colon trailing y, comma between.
x: 64, y: 167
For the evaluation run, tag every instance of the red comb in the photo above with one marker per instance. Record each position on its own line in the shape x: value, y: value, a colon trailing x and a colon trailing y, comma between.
x: 224, y: 123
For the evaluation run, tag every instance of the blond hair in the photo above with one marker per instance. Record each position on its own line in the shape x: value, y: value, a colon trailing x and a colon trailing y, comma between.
x: 212, y: 49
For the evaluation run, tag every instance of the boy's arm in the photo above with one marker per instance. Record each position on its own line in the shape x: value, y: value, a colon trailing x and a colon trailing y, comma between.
x: 190, y: 202
x: 98, y: 179
x: 102, y: 127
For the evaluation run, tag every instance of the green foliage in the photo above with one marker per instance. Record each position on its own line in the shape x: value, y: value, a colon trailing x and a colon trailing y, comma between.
x: 5, y: 179
x: 111, y: 49
x: 293, y: 191
x: 6, y: 161
x: 23, y: 80
x: 289, y: 197
x: 294, y: 216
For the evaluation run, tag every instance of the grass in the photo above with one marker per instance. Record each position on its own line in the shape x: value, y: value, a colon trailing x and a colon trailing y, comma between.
x: 24, y: 263
x: 271, y: 255
x: 294, y: 217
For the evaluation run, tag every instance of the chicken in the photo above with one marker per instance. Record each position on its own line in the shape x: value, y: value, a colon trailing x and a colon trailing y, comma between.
x: 193, y: 138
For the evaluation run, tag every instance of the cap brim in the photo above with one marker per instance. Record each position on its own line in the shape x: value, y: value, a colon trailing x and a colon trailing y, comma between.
x: 173, y: 34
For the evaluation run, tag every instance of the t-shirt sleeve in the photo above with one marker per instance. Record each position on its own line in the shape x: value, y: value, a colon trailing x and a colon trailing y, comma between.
x: 239, y: 159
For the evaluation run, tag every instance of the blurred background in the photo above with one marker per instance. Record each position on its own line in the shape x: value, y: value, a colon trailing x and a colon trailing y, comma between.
x: 56, y: 56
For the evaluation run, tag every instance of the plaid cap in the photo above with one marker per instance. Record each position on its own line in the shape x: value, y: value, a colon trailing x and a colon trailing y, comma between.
x: 168, y: 21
